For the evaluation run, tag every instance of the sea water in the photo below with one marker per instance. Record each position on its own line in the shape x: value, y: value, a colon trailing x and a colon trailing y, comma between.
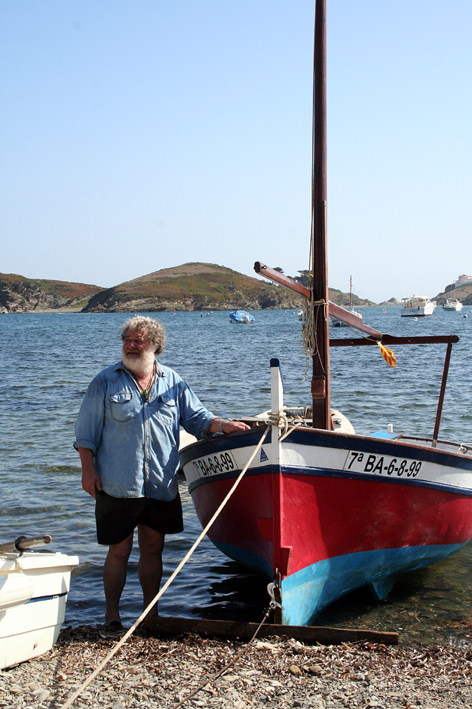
x: 47, y: 361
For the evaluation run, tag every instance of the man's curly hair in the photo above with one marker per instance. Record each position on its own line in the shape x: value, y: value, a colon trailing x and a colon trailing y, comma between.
x: 153, y: 329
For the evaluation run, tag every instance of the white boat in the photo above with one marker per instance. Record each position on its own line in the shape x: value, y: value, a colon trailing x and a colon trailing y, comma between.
x: 417, y: 306
x: 453, y: 304
x: 33, y: 593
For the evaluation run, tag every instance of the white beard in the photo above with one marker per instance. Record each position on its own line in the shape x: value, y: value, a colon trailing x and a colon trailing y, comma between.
x: 141, y: 365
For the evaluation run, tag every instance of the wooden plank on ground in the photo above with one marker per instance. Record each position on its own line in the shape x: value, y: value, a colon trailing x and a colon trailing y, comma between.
x: 244, y: 631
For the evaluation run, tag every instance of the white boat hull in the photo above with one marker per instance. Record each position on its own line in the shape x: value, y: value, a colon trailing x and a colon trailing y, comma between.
x: 418, y: 306
x: 33, y: 594
x: 453, y: 305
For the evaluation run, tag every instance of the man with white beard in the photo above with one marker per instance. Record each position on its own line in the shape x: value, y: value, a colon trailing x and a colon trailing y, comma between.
x: 127, y: 435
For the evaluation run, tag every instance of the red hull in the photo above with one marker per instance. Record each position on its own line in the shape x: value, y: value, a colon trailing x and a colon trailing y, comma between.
x: 323, y: 517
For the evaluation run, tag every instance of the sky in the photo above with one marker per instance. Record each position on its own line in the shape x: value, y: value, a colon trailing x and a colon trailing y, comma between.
x: 140, y: 135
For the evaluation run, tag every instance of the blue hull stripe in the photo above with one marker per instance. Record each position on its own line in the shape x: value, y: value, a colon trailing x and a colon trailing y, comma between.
x: 45, y: 598
x: 306, y: 593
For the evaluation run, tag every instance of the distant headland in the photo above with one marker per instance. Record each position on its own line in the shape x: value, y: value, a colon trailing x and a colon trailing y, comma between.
x: 191, y: 286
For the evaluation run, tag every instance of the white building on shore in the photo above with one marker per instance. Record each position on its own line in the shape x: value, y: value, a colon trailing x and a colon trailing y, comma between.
x: 463, y: 280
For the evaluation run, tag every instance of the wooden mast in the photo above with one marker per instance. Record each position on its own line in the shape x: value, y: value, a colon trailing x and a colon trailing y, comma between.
x: 320, y: 387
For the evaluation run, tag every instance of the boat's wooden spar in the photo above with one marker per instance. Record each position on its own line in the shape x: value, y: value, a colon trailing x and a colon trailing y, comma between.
x: 335, y: 310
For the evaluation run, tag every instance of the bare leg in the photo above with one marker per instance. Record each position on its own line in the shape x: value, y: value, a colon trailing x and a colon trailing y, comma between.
x: 151, y: 544
x: 114, y: 577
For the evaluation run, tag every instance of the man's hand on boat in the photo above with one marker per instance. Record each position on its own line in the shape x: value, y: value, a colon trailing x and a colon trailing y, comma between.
x: 224, y: 426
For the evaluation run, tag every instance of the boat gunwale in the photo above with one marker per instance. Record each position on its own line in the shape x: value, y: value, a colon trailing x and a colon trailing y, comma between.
x: 238, y: 440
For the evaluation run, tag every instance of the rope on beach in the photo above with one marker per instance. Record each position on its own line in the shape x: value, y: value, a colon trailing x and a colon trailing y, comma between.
x: 228, y: 666
x: 125, y: 637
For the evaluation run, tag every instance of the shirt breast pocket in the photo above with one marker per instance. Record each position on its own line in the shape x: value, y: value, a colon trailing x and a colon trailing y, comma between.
x: 167, y: 411
x: 122, y: 407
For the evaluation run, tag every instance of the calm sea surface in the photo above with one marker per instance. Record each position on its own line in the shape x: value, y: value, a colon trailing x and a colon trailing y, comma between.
x: 47, y: 361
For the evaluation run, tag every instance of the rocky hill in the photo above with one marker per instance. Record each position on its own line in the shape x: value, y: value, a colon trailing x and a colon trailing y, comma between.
x: 340, y: 298
x: 464, y: 294
x: 25, y: 295
x: 192, y: 286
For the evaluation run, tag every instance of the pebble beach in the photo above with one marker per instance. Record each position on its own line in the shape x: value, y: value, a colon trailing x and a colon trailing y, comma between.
x: 159, y: 672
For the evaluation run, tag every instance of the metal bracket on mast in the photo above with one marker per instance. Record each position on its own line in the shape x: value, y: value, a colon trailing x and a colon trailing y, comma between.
x: 318, y: 387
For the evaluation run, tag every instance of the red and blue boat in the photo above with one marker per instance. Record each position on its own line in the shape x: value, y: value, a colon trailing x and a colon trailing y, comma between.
x: 322, y: 513
x: 321, y: 510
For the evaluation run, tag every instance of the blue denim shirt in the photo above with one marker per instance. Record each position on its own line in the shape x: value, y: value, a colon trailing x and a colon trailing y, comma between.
x: 135, y: 442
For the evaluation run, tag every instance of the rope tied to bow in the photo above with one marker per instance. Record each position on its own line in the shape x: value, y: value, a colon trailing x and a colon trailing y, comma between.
x: 280, y: 419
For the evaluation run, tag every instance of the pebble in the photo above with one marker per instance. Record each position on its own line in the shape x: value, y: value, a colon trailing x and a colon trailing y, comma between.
x: 156, y: 673
x: 295, y: 670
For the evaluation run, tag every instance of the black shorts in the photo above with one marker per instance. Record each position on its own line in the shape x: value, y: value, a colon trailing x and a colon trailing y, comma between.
x: 117, y: 517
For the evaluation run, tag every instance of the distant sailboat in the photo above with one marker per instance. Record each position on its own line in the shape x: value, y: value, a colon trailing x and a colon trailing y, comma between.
x: 339, y: 323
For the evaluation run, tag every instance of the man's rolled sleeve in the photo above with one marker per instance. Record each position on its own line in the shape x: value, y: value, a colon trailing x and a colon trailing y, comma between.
x: 89, y: 425
x: 194, y: 417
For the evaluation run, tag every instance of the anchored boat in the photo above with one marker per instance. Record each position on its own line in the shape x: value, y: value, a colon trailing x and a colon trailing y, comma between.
x: 339, y: 323
x: 417, y: 306
x: 453, y: 304
x: 321, y: 510
x: 241, y: 317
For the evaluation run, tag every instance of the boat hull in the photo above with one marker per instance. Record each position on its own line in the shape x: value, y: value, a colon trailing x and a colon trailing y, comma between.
x: 331, y: 512
x: 453, y: 305
x: 417, y: 306
x: 241, y: 317
x: 33, y: 594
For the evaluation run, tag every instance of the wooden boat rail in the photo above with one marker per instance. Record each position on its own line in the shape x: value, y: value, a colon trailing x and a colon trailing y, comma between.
x: 416, y: 340
x: 374, y: 335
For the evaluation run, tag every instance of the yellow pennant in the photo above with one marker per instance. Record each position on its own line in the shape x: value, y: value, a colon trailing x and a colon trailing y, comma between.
x: 387, y: 355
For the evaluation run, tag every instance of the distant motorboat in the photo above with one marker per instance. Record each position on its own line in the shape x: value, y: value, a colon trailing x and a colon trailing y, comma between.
x: 417, y: 306
x: 453, y: 304
x: 241, y: 317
